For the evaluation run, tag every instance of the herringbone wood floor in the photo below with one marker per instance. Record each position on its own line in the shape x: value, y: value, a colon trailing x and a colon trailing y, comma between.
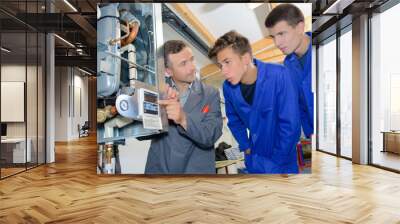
x: 69, y: 191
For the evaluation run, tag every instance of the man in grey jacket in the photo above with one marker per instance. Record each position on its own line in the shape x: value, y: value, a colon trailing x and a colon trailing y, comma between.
x: 194, y: 111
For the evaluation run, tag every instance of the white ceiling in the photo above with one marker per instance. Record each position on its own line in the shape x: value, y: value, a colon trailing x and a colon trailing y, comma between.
x: 306, y: 8
x: 246, y: 18
x: 220, y: 18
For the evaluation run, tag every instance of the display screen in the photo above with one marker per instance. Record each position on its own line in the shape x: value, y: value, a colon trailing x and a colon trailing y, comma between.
x: 150, y: 108
x: 150, y: 97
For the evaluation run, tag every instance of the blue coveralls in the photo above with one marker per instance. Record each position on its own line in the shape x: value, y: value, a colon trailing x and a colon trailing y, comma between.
x: 272, y: 120
x: 302, y: 77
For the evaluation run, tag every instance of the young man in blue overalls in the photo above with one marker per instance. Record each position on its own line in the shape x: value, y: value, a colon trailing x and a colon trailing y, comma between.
x: 285, y: 24
x: 261, y: 99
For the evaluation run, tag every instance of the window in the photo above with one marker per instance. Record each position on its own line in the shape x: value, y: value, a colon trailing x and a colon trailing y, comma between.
x: 346, y: 93
x: 327, y: 96
x: 385, y: 88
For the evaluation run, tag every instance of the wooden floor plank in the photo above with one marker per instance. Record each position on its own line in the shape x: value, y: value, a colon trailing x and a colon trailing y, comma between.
x: 70, y: 191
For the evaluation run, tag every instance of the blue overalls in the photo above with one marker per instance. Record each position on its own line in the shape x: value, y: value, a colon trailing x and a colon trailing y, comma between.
x: 302, y: 77
x: 272, y: 120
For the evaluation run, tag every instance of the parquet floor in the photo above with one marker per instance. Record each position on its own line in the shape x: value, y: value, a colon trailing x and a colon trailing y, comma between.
x: 9, y: 171
x: 70, y: 191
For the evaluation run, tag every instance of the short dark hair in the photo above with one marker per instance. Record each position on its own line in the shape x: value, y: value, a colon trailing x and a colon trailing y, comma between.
x: 239, y: 44
x: 172, y: 47
x: 284, y: 12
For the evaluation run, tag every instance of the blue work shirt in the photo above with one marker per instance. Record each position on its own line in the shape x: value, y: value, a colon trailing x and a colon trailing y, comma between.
x: 272, y: 120
x: 301, y: 75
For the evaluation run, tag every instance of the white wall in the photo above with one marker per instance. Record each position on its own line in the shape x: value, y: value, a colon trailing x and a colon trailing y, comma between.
x: 69, y: 85
x: 79, y: 117
x: 33, y: 126
x: 61, y: 103
x: 15, y: 73
x: 133, y: 156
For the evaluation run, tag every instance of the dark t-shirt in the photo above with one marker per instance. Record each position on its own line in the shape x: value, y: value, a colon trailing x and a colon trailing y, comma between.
x: 248, y: 92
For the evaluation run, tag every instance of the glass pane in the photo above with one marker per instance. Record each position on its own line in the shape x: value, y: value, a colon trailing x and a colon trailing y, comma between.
x: 385, y: 89
x: 22, y: 76
x: 31, y: 98
x: 346, y: 94
x: 314, y: 82
x: 327, y: 97
x: 13, y: 86
x: 41, y: 99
